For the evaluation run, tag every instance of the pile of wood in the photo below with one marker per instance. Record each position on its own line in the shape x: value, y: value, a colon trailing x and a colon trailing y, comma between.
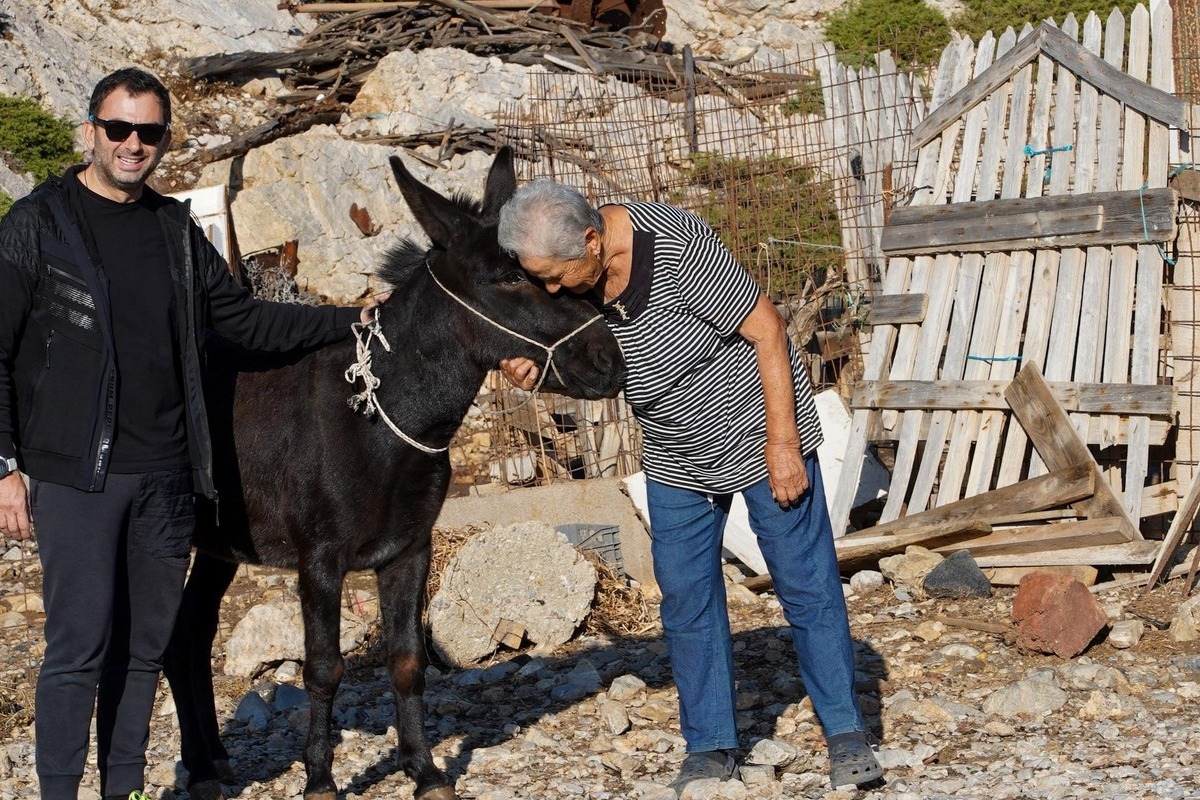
x: 1067, y: 519
x: 336, y: 57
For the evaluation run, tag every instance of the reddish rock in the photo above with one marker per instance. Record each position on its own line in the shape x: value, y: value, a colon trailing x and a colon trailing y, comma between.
x: 1056, y: 614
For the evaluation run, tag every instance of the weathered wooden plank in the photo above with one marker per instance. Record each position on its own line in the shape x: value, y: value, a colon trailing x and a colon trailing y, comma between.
x: 1148, y: 308
x: 1050, y: 430
x: 1014, y: 298
x: 1154, y: 103
x: 1181, y: 524
x: 1092, y: 398
x: 979, y: 89
x: 1160, y: 498
x: 856, y: 549
x: 938, y: 329
x: 988, y: 309
x: 917, y: 353
x: 1011, y: 576
x: 1074, y: 174
x: 1038, y: 538
x: 1094, y: 219
x: 1139, y: 552
x: 1115, y: 367
x: 1042, y: 278
x: 1055, y: 489
x: 1160, y: 431
x: 897, y: 309
x: 979, y: 231
x: 970, y: 270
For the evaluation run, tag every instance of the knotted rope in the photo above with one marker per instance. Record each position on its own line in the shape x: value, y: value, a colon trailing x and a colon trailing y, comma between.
x: 361, y: 368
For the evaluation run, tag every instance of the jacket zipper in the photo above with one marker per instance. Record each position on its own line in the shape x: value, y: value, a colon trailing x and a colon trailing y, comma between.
x: 49, y: 339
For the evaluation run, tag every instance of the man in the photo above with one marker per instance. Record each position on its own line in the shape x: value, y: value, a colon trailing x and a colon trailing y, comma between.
x: 107, y: 289
x: 725, y: 406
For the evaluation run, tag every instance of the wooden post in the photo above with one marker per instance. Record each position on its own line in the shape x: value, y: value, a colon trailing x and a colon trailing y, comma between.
x: 689, y: 87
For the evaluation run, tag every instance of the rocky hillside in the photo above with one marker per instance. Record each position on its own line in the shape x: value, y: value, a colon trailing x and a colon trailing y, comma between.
x: 55, y: 51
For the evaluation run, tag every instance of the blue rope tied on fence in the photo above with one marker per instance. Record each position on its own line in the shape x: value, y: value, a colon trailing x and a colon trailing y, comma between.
x: 993, y: 358
x: 1146, y: 226
x: 1030, y: 152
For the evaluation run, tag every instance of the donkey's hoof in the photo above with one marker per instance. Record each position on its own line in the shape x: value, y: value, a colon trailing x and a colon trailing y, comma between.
x: 206, y: 790
x: 225, y: 773
x: 320, y: 796
x: 438, y: 793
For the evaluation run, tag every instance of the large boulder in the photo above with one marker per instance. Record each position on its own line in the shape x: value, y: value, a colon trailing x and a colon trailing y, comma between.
x: 56, y: 50
x: 527, y: 576
x: 438, y: 88
x: 302, y: 187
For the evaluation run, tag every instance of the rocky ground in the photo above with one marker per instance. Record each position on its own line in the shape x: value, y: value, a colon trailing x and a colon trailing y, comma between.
x: 959, y: 713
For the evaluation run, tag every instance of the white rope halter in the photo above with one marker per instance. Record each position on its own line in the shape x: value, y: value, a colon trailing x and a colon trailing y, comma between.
x: 361, y: 368
x: 548, y: 348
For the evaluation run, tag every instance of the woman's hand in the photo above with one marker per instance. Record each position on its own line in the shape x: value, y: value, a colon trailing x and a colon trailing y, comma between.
x: 520, y: 372
x: 786, y: 472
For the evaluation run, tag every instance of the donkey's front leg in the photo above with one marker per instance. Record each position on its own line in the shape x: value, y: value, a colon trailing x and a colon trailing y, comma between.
x: 402, y: 598
x: 320, y: 603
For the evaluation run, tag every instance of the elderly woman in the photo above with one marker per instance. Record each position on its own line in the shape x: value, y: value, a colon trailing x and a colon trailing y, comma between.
x: 725, y: 406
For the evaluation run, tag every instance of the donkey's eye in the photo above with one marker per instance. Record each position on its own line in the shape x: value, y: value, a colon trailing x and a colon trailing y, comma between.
x: 515, y: 277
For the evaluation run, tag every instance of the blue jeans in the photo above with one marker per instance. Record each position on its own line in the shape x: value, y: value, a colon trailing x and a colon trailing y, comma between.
x: 797, y: 545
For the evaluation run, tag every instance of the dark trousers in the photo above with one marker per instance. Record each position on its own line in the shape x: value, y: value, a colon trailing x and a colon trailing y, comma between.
x: 113, y: 566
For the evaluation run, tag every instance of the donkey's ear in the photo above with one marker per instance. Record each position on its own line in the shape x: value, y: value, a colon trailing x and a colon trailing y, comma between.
x: 438, y: 216
x: 501, y: 183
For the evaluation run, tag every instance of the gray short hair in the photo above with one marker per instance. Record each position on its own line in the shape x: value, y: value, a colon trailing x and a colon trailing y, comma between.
x: 546, y: 219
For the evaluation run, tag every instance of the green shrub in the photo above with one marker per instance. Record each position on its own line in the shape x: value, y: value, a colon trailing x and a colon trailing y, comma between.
x: 980, y: 16
x: 775, y: 215
x: 808, y: 99
x: 5, y: 204
x: 34, y: 141
x: 914, y: 32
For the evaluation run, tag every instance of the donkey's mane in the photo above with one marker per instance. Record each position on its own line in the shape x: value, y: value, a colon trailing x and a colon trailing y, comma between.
x: 408, y: 255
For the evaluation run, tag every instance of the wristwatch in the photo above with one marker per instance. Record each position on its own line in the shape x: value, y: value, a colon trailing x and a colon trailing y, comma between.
x: 7, y: 466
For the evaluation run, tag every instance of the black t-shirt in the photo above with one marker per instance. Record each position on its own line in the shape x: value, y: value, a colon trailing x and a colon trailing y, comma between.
x: 132, y: 246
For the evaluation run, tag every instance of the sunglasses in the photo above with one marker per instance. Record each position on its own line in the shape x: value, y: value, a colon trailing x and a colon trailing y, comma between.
x: 118, y: 130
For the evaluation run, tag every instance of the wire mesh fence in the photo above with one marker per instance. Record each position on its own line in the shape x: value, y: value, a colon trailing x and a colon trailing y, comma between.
x: 780, y: 160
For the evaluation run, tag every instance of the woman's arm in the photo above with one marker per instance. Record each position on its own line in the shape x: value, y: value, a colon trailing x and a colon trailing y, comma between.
x: 765, y: 329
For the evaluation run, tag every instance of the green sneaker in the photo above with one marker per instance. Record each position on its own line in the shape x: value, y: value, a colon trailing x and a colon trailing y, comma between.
x: 136, y: 795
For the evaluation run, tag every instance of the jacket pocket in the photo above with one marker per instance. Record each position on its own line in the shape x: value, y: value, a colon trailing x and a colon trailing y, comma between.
x: 58, y: 411
x: 64, y: 301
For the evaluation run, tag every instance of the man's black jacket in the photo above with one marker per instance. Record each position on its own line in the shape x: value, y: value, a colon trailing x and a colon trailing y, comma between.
x: 58, y: 379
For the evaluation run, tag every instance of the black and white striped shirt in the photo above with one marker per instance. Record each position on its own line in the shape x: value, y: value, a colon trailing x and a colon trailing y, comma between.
x: 693, y: 380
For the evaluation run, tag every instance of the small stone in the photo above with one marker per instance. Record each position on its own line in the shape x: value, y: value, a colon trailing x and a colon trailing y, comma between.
x: 1126, y: 633
x: 957, y: 576
x: 1109, y: 705
x: 757, y: 774
x: 773, y: 753
x: 1026, y: 698
x: 625, y: 687
x: 253, y: 712
x: 1185, y: 625
x: 911, y: 568
x: 929, y: 631
x: 288, y: 697
x: 866, y: 580
x: 737, y: 594
x: 614, y: 717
